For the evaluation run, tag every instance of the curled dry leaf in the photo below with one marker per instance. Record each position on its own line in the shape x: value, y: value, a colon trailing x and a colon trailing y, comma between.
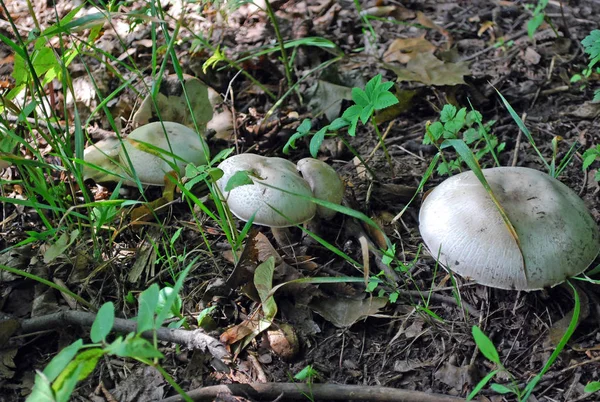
x: 430, y: 70
x: 343, y: 313
x: 404, y: 50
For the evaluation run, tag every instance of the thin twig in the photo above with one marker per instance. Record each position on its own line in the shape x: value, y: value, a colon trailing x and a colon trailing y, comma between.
x: 299, y: 391
x: 195, y: 339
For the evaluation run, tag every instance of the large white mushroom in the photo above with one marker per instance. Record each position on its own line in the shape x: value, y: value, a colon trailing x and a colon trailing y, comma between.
x: 265, y: 200
x: 464, y: 230
x: 153, y: 149
x: 261, y: 200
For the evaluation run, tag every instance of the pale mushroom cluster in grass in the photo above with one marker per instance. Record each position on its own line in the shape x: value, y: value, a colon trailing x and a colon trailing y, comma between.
x: 464, y: 230
x: 279, y: 196
x: 165, y: 140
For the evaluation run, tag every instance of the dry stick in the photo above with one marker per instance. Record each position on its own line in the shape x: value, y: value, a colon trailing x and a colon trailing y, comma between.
x: 195, y: 339
x: 518, y: 142
x: 299, y: 391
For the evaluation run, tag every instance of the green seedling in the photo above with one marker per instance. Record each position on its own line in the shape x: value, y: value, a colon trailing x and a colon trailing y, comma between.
x: 376, y: 96
x: 78, y: 360
x: 591, y: 45
x: 590, y: 156
x: 487, y: 348
x: 455, y: 124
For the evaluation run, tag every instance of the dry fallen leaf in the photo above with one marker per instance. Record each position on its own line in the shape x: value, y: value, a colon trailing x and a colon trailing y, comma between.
x: 404, y: 50
x: 430, y: 70
x: 344, y: 313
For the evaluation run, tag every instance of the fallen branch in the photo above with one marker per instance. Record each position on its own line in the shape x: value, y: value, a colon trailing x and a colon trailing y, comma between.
x: 195, y: 339
x: 333, y: 392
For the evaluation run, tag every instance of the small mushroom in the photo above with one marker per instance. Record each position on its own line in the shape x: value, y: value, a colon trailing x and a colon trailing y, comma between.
x: 262, y: 201
x: 153, y: 151
x: 464, y: 231
x: 324, y: 183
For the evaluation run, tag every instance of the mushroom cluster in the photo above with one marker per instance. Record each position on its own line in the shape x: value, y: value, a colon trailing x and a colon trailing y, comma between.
x: 279, y: 196
x: 464, y: 230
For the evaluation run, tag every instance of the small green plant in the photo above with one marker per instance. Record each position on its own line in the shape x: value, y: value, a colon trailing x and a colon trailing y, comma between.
x: 308, y: 375
x: 589, y: 157
x: 78, y: 360
x: 591, y: 45
x: 376, y: 96
x: 477, y: 136
x: 487, y: 348
x: 539, y: 15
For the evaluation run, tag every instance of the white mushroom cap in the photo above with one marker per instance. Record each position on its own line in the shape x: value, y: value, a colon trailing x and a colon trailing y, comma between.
x: 150, y: 165
x: 324, y: 183
x: 558, y: 236
x: 244, y: 201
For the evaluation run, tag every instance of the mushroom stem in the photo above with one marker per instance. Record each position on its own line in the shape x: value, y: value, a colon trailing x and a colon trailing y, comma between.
x: 284, y: 239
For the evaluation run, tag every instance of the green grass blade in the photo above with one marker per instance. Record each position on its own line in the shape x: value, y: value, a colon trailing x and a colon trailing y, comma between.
x: 561, y: 345
x: 524, y: 129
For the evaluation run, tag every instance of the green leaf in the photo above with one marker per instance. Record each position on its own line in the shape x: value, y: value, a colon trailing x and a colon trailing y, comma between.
x: 384, y: 87
x: 205, y: 319
x: 589, y: 156
x: 360, y: 97
x: 350, y: 114
x: 593, y: 386
x: 534, y: 23
x: 263, y: 281
x: 501, y: 389
x: 436, y: 130
x: 591, y: 44
x: 79, y: 369
x: 352, y: 128
x: 222, y: 155
x: 448, y: 112
x: 482, y: 384
x: 366, y: 113
x: 42, y: 390
x: 133, y: 346
x: 175, y: 309
x: 160, y: 317
x: 385, y: 100
x: 371, y: 87
x: 473, y: 117
x: 238, y: 179
x: 62, y: 360
x: 338, y: 124
x: 316, y: 141
x: 146, y: 307
x: 302, y: 131
x: 575, y: 78
x: 485, y: 345
x: 308, y: 373
x: 103, y: 322
x: 471, y: 135
x: 64, y: 391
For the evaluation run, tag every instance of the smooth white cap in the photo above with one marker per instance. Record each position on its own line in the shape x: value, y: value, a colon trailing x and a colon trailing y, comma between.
x: 324, y: 183
x: 244, y: 201
x: 558, y: 236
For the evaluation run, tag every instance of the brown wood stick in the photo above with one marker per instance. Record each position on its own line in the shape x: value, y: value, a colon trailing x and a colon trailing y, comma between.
x: 298, y: 391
